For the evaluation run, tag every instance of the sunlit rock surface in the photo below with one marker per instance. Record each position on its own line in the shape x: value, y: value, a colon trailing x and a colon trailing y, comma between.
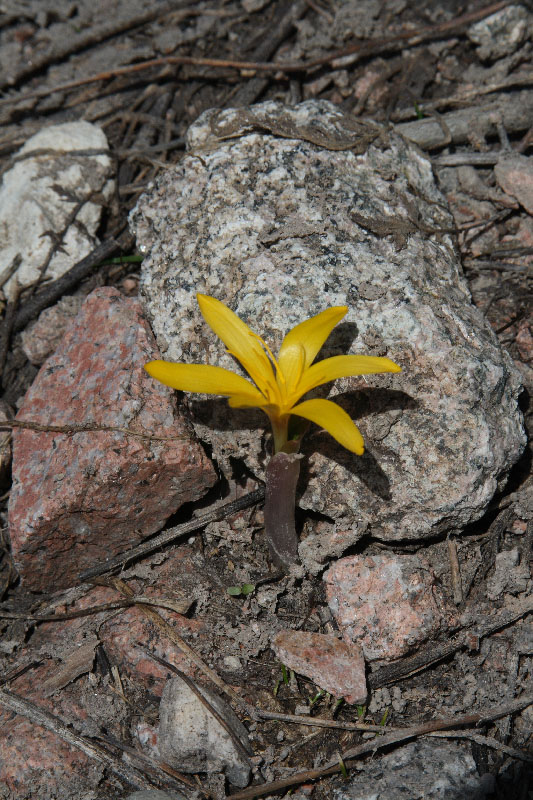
x: 281, y: 212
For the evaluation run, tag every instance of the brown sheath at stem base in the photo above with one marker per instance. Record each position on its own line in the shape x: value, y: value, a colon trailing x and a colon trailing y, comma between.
x: 280, y: 498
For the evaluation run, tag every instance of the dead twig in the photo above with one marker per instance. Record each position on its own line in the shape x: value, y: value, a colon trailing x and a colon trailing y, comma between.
x: 350, y: 757
x: 187, y: 651
x: 455, y: 571
x: 516, y: 108
x: 484, y: 741
x: 319, y: 722
x: 86, y: 427
x: 39, y: 716
x: 244, y: 751
x: 436, y: 653
x: 214, y: 515
x: 8, y: 326
x: 56, y: 289
x: 336, y: 60
x: 168, y: 605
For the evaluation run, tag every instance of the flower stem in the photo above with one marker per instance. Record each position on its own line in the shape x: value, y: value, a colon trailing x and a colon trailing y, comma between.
x: 280, y: 492
x: 280, y: 427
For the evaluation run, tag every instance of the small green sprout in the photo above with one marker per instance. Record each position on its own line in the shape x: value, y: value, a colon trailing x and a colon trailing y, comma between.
x: 285, y: 675
x: 361, y: 711
x: 343, y: 768
x: 338, y: 703
x: 241, y: 591
x: 316, y: 698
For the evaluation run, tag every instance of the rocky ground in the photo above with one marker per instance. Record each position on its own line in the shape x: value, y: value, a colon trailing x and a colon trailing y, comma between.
x: 150, y: 648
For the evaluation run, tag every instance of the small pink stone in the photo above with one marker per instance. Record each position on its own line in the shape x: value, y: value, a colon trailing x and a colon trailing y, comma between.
x: 334, y: 665
x: 387, y: 604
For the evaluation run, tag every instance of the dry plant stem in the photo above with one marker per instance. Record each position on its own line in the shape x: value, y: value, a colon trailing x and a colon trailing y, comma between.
x: 484, y: 741
x: 84, y: 428
x: 216, y: 514
x: 282, y: 475
x: 335, y: 60
x: 516, y: 109
x: 56, y: 289
x: 39, y: 716
x: 244, y: 751
x: 392, y: 673
x: 319, y: 722
x: 350, y: 756
x: 169, y: 605
x: 455, y: 571
x: 171, y: 634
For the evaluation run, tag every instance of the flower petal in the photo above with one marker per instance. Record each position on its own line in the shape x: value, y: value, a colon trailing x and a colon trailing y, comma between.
x: 335, y: 420
x: 343, y: 367
x: 309, y: 335
x: 204, y: 379
x: 247, y: 401
x: 240, y: 341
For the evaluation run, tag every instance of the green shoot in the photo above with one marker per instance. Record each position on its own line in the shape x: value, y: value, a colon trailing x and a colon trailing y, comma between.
x: 241, y: 591
x: 316, y: 698
x: 343, y: 768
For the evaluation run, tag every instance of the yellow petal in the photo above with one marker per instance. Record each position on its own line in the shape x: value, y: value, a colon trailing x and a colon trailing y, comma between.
x: 335, y: 420
x: 343, y: 367
x: 239, y: 339
x: 309, y: 335
x: 247, y: 401
x: 204, y: 379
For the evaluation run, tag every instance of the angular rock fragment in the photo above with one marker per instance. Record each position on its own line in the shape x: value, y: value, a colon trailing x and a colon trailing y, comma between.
x: 55, y: 194
x: 83, y: 497
x: 335, y: 666
x: 192, y: 739
x: 281, y: 212
x: 514, y: 174
x: 387, y: 604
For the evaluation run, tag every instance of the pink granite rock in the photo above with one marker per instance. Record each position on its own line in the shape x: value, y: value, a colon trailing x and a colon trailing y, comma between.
x: 388, y: 604
x: 514, y: 174
x: 336, y: 666
x: 80, y: 498
x: 42, y: 337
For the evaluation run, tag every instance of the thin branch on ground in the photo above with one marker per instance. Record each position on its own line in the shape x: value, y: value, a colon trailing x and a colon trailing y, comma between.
x: 336, y: 60
x: 392, y: 673
x: 122, y: 587
x: 56, y: 289
x: 39, y: 716
x: 169, y: 605
x: 351, y: 757
x: 86, y: 427
x: 144, y: 549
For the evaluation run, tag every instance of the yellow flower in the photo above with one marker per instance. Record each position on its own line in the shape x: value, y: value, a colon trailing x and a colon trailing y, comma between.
x: 279, y: 384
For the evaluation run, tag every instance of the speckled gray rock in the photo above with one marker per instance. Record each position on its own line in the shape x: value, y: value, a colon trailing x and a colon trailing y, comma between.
x: 502, y: 33
x: 281, y: 212
x: 191, y: 739
x: 423, y: 770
